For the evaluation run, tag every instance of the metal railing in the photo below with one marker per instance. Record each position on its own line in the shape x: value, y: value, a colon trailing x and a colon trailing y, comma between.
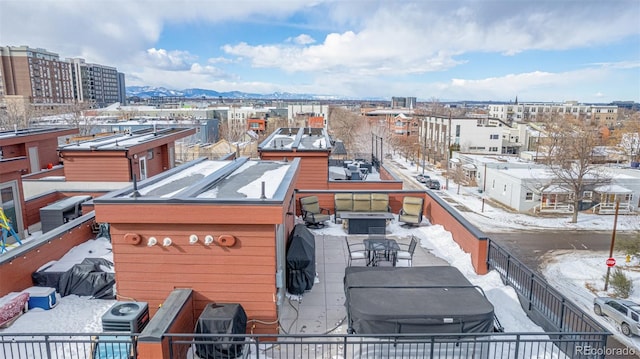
x: 544, y: 304
x: 227, y: 346
x: 67, y: 346
x: 476, y: 345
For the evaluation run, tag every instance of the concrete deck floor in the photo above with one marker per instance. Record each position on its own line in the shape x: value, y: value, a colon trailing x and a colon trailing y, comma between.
x: 321, y: 310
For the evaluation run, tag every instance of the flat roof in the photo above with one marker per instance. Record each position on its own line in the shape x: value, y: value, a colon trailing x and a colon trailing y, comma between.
x: 214, y: 180
x: 33, y: 131
x: 120, y: 141
x: 299, y: 139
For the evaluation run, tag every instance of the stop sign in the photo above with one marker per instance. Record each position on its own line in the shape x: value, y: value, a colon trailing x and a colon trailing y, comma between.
x: 611, y: 262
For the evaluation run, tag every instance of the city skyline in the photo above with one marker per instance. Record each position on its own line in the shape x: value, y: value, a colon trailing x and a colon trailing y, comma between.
x: 586, y: 51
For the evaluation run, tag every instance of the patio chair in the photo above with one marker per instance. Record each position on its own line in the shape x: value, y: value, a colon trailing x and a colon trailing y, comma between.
x: 356, y: 252
x: 407, y: 250
x: 312, y: 213
x: 411, y: 211
x: 380, y: 202
x: 342, y: 202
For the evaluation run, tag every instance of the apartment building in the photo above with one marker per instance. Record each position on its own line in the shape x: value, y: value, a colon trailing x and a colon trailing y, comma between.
x: 465, y: 134
x: 403, y: 102
x: 95, y: 84
x: 35, y: 74
x: 39, y: 77
x: 526, y: 112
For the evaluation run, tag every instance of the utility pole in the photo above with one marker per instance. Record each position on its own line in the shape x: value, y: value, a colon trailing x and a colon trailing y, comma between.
x: 484, y: 186
x: 613, y: 241
x: 448, y: 150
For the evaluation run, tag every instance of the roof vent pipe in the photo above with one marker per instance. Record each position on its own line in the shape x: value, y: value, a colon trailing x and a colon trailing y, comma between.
x: 262, y: 195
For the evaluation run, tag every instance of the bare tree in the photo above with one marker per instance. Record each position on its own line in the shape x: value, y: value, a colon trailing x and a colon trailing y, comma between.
x: 570, y: 156
x: 626, y: 137
x: 74, y: 115
x: 347, y: 126
x: 15, y: 113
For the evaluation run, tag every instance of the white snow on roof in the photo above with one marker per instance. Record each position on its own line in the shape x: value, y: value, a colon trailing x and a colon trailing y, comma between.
x: 272, y: 180
x: 204, y: 168
x: 612, y: 188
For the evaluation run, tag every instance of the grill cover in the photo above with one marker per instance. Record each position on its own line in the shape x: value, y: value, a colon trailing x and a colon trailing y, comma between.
x: 301, y: 260
x: 438, y: 299
x: 221, y: 318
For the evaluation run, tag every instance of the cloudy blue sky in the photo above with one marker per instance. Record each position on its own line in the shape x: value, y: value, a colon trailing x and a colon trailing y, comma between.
x: 548, y: 50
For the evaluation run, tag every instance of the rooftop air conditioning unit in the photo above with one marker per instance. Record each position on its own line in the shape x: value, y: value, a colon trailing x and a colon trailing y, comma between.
x: 129, y: 317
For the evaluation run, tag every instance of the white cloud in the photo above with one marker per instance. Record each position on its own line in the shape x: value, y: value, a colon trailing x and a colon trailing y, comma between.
x: 302, y: 39
x: 169, y: 60
x: 358, y: 48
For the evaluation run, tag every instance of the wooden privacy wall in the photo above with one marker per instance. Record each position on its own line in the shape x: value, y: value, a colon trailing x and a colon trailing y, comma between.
x: 468, y: 237
x: 243, y: 273
x: 16, y: 267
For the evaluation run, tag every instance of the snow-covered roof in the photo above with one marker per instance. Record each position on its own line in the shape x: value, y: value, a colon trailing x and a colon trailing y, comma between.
x: 556, y: 188
x: 121, y: 141
x: 289, y: 139
x: 612, y: 188
x: 240, y: 179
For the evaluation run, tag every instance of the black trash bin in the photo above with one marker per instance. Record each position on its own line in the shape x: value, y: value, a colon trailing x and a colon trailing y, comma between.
x: 221, y: 318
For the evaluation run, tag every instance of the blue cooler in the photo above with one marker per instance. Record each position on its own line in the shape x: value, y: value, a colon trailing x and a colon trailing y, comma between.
x: 42, y: 297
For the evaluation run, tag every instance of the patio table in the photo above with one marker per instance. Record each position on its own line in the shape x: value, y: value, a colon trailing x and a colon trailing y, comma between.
x: 387, y: 248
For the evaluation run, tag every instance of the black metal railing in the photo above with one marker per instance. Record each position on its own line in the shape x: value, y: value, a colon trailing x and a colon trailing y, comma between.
x: 223, y: 346
x: 486, y: 345
x: 67, y: 346
x: 543, y: 303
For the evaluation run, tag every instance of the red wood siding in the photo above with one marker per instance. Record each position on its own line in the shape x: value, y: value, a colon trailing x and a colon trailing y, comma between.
x: 16, y: 274
x: 96, y: 168
x: 34, y: 204
x: 314, y: 167
x: 58, y: 171
x: 10, y: 151
x: 461, y: 235
x: 155, y: 165
x: 244, y: 273
x: 47, y: 151
x: 241, y: 215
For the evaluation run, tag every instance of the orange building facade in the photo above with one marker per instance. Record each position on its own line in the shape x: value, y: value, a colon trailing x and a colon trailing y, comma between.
x: 200, y: 226
x: 117, y: 158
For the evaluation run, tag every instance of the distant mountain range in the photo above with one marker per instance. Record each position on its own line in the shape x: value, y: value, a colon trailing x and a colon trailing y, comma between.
x: 150, y: 92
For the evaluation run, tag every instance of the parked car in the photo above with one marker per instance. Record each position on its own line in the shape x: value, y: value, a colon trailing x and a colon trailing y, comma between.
x: 422, y: 178
x: 624, y: 312
x: 432, y: 184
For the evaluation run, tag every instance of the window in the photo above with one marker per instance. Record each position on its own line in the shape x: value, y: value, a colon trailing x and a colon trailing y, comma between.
x: 528, y: 196
x: 493, y: 149
x: 504, y: 189
x: 493, y: 184
x: 494, y: 137
x: 587, y: 195
x: 457, y: 130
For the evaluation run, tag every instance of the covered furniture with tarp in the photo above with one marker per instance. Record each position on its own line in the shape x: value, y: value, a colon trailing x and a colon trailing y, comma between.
x: 88, y: 278
x: 301, y: 260
x: 437, y: 299
x: 221, y: 318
